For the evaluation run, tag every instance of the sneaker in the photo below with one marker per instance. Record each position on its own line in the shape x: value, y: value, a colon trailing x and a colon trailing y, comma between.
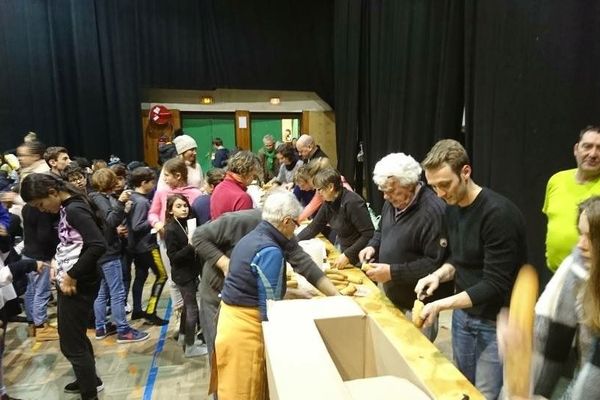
x: 138, y: 315
x: 30, y: 329
x: 181, y: 339
x: 73, y: 387
x: 196, y: 350
x: 127, y: 308
x: 46, y: 333
x: 153, y: 319
x: 132, y: 335
x: 109, y: 329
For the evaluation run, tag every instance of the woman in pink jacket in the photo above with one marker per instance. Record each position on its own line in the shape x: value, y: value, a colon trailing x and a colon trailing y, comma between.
x: 175, y: 176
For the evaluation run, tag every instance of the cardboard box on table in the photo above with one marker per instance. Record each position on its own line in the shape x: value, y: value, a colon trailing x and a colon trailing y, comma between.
x: 328, y: 348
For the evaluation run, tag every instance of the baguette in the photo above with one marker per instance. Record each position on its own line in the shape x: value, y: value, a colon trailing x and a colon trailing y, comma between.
x: 292, y: 284
x: 348, y: 290
x: 356, y: 281
x: 338, y: 281
x: 336, y: 275
x: 416, y: 313
x: 365, y: 267
x: 517, y: 364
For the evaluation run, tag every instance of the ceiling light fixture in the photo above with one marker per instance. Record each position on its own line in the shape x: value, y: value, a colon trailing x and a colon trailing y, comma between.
x: 206, y: 100
x: 274, y: 100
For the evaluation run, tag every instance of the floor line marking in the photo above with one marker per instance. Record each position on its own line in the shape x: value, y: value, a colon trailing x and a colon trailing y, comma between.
x: 160, y: 344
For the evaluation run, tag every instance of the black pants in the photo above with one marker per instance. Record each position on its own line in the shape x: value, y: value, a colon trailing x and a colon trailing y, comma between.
x: 189, y: 316
x: 73, y: 312
x: 144, y: 261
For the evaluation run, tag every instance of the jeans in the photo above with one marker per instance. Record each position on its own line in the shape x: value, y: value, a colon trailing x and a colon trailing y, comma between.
x: 111, y: 285
x: 475, y: 348
x: 73, y: 314
x: 37, y: 296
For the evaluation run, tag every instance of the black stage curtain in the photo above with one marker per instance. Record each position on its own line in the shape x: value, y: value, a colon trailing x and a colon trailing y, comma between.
x: 73, y: 69
x: 68, y: 73
x: 399, y: 79
x: 270, y: 44
x: 533, y: 83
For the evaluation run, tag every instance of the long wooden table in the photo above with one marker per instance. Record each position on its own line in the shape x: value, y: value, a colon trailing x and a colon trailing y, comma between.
x: 428, y: 364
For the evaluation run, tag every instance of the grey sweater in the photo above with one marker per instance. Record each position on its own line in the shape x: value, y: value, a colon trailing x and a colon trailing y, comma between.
x: 219, y: 237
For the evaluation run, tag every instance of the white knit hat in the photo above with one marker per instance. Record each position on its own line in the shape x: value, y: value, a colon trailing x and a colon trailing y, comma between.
x: 184, y: 143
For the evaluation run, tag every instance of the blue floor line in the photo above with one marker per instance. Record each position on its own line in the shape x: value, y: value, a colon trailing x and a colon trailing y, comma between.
x: 159, y: 347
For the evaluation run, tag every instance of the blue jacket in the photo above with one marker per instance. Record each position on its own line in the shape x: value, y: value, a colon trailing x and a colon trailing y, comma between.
x: 256, y: 269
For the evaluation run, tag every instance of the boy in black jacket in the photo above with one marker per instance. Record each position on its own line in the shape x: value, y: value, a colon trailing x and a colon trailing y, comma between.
x: 143, y: 247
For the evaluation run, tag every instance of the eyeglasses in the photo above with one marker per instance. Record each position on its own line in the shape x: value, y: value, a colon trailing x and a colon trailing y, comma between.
x: 295, y: 221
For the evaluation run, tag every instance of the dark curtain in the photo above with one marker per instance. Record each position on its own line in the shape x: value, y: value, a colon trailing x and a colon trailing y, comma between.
x: 208, y: 44
x: 533, y: 83
x: 399, y: 79
x: 69, y: 74
x: 73, y: 69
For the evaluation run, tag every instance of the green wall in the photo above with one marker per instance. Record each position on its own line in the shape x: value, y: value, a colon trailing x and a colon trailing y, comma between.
x: 204, y: 127
x: 261, y: 126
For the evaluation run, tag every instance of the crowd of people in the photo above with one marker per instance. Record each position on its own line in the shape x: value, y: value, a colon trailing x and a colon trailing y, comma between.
x: 220, y: 243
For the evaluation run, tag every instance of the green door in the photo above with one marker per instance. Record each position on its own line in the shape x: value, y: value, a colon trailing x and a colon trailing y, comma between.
x: 204, y: 128
x: 261, y: 126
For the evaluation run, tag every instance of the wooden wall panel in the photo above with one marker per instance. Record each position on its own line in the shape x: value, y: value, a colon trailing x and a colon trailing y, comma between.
x: 153, y: 133
x: 242, y: 134
x: 321, y: 126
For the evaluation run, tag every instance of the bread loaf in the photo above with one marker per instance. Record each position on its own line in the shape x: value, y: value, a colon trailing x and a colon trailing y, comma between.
x: 416, y: 313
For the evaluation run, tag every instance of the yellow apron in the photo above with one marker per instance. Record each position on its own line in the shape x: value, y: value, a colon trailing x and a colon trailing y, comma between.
x: 238, y: 367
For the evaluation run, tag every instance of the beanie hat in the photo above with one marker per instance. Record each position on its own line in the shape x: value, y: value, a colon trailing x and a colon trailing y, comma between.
x: 184, y: 143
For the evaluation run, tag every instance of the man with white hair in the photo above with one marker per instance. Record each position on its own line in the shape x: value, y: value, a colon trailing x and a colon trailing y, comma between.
x: 308, y: 149
x: 256, y: 274
x: 410, y: 242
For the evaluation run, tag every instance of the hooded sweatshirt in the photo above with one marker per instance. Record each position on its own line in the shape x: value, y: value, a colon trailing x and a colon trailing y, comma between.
x: 159, y: 202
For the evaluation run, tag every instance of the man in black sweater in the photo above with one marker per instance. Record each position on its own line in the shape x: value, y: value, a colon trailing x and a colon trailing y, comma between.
x: 486, y: 235
x: 410, y: 242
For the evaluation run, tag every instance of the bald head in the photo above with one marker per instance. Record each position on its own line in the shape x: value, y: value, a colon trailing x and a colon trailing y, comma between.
x: 305, y: 146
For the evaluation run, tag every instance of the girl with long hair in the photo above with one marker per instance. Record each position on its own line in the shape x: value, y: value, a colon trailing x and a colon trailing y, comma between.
x: 185, y: 269
x: 81, y: 246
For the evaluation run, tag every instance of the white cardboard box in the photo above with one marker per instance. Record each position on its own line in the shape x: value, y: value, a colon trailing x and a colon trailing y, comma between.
x: 330, y: 349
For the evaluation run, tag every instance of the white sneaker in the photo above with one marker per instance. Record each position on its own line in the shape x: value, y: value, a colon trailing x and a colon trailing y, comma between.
x: 196, y: 350
x: 127, y: 308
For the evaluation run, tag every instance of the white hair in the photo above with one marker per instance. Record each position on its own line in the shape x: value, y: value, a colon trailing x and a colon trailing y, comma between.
x: 280, y: 204
x: 400, y: 166
x: 268, y: 138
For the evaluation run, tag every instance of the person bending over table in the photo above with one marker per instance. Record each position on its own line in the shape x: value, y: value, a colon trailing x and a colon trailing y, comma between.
x: 345, y: 212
